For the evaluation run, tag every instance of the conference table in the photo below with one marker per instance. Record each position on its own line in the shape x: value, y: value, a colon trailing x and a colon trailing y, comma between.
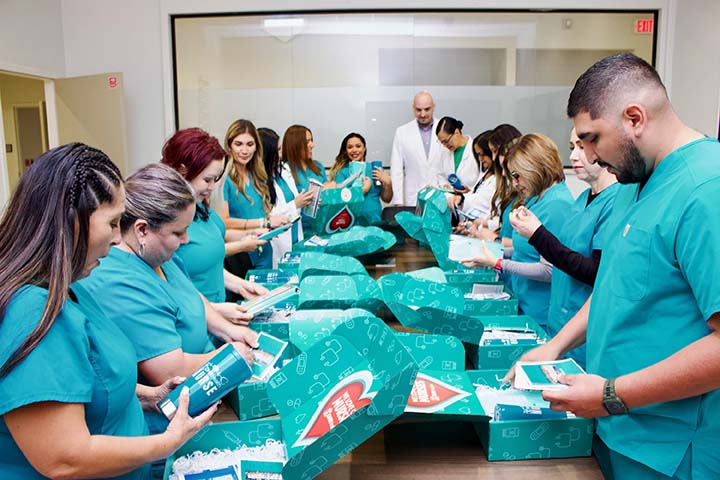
x: 433, y: 450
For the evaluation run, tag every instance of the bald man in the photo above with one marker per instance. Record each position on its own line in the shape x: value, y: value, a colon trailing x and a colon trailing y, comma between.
x: 651, y: 327
x: 416, y: 153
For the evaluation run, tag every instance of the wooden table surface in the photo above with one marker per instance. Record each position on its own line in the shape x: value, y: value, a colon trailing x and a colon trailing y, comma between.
x: 434, y: 450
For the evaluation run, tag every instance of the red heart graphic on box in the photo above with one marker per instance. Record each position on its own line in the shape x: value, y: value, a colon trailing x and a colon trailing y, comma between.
x: 342, y: 221
x: 347, y: 397
x: 430, y: 394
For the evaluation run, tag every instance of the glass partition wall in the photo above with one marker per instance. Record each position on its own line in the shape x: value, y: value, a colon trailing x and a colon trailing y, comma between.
x: 357, y: 71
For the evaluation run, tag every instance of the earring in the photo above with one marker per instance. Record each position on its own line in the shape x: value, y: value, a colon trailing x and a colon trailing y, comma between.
x: 141, y: 250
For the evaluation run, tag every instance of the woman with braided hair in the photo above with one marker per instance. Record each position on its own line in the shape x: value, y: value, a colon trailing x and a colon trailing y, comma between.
x: 67, y: 373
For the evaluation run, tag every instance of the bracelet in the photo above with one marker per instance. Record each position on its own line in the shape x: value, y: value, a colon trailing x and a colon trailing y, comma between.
x: 498, y: 265
x: 267, y: 222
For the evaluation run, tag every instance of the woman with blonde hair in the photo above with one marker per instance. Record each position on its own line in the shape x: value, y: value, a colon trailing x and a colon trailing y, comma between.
x: 297, y: 149
x: 537, y: 175
x: 245, y: 193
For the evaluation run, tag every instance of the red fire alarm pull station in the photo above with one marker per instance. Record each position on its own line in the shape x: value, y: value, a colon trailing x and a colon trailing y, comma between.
x: 112, y: 82
x: 644, y: 25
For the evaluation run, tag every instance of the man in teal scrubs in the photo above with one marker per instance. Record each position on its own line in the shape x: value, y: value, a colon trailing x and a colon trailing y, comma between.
x: 653, y: 349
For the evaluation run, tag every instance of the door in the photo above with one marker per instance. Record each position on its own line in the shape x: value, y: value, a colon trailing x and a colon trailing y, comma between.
x: 91, y: 110
x: 31, y: 134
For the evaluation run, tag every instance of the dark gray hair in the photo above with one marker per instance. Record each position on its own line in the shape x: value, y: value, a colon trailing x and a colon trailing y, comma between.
x: 608, y: 80
x: 157, y: 194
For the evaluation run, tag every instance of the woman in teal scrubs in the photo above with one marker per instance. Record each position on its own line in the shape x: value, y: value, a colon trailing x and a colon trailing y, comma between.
x: 199, y: 158
x: 146, y: 291
x: 297, y: 148
x: 537, y: 173
x: 68, y: 380
x: 376, y: 183
x: 575, y: 252
x: 245, y: 192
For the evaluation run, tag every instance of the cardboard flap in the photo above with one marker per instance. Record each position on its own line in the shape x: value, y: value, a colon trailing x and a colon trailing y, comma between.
x: 415, y: 292
x: 444, y: 393
x: 359, y: 241
x: 434, y: 352
x: 327, y: 292
x: 339, y: 209
x: 412, y: 224
x: 307, y: 327
x: 431, y: 320
x: 471, y: 275
x: 314, y: 263
x: 434, y: 274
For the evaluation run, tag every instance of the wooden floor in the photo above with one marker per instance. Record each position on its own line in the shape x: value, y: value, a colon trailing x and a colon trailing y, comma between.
x: 412, y: 450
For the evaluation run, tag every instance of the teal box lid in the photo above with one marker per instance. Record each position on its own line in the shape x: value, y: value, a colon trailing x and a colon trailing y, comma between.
x: 418, y: 292
x: 339, y: 393
x: 354, y: 242
x: 412, y: 224
x: 314, y: 263
x: 434, y: 352
x: 341, y: 291
x: 307, y: 327
x: 503, y: 356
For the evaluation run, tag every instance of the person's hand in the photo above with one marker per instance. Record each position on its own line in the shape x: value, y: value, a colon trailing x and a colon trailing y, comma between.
x: 544, y: 353
x: 245, y: 349
x: 303, y: 199
x: 150, y: 396
x: 524, y: 221
x: 243, y: 337
x: 480, y: 223
x: 278, y: 220
x: 583, y: 397
x: 250, y: 243
x: 182, y: 426
x: 463, y: 228
x: 483, y: 234
x: 249, y: 290
x: 453, y: 201
x: 233, y: 313
x: 381, y: 175
x: 485, y: 259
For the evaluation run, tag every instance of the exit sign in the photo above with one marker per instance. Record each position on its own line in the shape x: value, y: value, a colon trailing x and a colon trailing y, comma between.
x: 644, y: 25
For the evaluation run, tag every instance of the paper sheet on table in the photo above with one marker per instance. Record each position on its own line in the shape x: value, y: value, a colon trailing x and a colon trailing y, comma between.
x: 463, y: 248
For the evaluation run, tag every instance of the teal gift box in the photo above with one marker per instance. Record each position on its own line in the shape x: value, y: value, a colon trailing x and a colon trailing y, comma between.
x: 290, y: 261
x: 314, y: 264
x: 272, y: 278
x: 339, y: 209
x: 330, y: 399
x: 355, y: 242
x: 484, y: 357
x: 302, y: 329
x: 465, y: 278
x: 530, y: 439
x: 483, y: 307
x: 340, y: 291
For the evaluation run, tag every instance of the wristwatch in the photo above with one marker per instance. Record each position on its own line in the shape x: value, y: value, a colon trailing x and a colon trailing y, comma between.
x: 611, y: 402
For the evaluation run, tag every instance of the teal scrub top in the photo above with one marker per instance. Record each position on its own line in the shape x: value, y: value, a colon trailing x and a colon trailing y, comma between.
x: 657, y: 285
x: 302, y: 183
x: 84, y: 358
x: 584, y: 231
x: 371, y: 209
x: 204, y: 254
x: 158, y: 315
x: 251, y: 206
x: 551, y: 209
x: 289, y: 196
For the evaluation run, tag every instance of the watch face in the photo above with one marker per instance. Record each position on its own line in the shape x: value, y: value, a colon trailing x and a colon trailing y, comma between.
x: 614, y: 407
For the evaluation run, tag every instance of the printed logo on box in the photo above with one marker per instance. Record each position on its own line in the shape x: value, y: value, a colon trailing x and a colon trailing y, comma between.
x: 350, y: 395
x: 430, y: 395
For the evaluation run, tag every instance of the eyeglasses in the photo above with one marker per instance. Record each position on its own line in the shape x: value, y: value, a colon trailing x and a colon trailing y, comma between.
x: 514, y: 174
x: 446, y: 141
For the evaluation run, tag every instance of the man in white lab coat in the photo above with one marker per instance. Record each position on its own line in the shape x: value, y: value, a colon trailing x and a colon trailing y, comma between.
x: 416, y: 153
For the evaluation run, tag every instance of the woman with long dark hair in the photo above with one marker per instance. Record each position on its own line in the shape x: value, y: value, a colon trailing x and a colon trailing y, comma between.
x: 68, y: 375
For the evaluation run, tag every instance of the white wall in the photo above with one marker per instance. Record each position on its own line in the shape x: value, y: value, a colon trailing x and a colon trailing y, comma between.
x: 31, y: 37
x: 122, y: 36
x: 83, y: 37
x: 695, y: 88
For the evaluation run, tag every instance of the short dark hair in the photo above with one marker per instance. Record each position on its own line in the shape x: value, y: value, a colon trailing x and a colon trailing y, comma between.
x: 448, y: 125
x: 595, y: 90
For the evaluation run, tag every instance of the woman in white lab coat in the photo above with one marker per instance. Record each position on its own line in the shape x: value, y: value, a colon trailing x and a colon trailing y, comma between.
x: 457, y: 156
x: 477, y: 202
